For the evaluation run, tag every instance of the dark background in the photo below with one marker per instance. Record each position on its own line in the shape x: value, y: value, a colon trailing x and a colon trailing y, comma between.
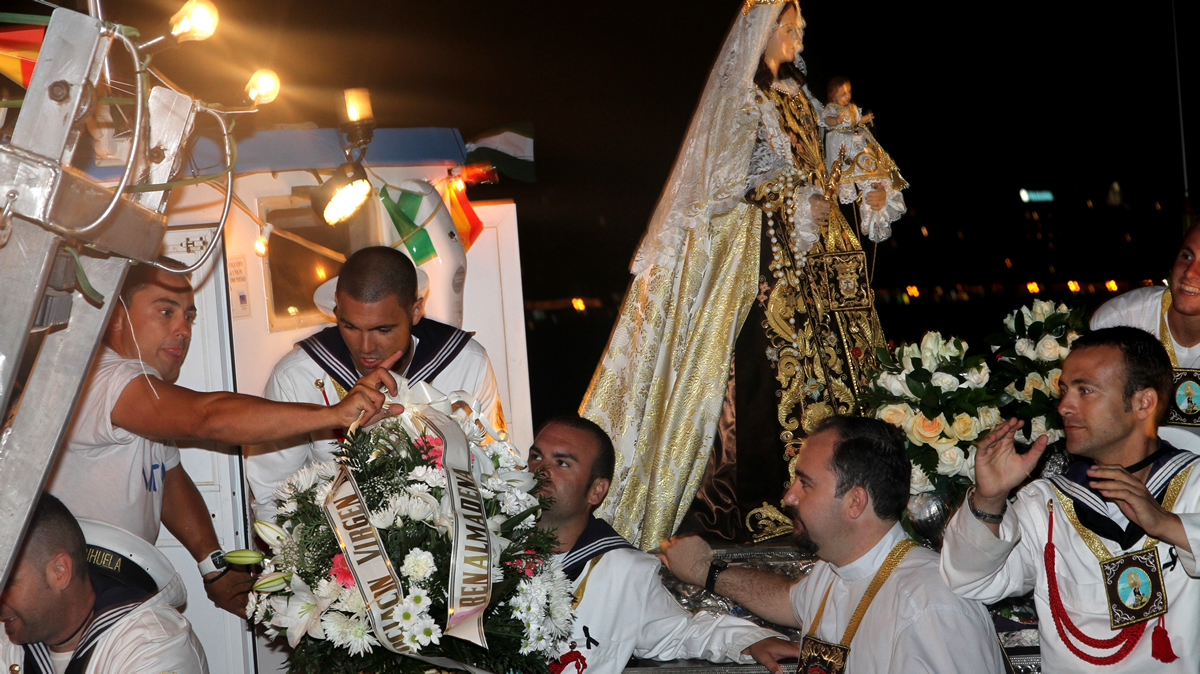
x: 974, y: 102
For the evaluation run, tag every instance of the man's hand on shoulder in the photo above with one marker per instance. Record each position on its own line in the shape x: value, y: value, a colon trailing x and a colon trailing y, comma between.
x: 229, y: 592
x: 769, y: 652
x: 688, y: 558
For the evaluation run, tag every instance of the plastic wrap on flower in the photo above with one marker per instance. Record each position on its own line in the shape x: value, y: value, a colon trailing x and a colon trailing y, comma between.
x: 367, y: 562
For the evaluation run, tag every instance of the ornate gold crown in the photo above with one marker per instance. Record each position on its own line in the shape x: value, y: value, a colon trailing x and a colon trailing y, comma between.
x: 750, y: 3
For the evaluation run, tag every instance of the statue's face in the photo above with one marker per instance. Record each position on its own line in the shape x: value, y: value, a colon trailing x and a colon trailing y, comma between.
x: 788, y: 38
x: 842, y: 95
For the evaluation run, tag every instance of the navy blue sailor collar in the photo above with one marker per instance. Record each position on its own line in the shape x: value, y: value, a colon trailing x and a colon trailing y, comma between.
x: 1165, y: 463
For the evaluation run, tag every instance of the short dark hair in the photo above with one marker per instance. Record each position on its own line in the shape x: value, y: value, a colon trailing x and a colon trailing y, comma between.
x: 53, y: 529
x: 1147, y: 364
x: 869, y: 453
x: 606, y: 456
x: 835, y: 83
x: 376, y: 272
x: 142, y: 274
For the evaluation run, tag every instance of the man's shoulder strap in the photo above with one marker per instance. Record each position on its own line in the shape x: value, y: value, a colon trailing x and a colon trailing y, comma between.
x: 328, y: 350
x: 438, y: 345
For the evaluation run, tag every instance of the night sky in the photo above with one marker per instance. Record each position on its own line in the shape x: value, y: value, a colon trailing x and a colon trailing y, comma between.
x: 974, y: 102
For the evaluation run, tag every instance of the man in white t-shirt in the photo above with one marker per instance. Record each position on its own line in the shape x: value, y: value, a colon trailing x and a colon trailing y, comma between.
x: 119, y: 463
x: 1174, y: 310
x: 379, y: 316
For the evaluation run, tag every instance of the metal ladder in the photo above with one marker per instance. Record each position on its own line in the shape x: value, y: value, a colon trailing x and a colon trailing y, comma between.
x: 58, y: 226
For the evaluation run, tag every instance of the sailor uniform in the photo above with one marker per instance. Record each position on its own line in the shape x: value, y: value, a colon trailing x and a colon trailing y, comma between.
x: 320, y: 368
x: 131, y: 633
x: 625, y: 611
x: 979, y: 565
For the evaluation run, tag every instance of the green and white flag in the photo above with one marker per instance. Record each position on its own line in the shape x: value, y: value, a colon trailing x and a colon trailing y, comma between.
x: 509, y: 149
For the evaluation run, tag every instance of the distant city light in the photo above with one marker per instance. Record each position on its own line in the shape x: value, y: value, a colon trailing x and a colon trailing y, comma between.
x: 912, y: 291
x: 577, y: 303
x: 1073, y: 286
x: 1033, y: 287
x: 1111, y: 285
x: 1008, y: 263
x: 924, y: 232
x: 1036, y: 195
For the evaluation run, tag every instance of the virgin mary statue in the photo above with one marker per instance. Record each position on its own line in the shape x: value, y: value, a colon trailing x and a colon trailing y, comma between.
x: 750, y: 317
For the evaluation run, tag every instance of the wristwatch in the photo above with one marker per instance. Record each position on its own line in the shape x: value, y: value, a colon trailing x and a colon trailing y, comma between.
x: 714, y: 569
x: 214, y: 561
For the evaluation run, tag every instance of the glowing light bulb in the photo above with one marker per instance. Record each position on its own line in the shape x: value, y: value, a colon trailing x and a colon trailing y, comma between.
x: 196, y: 20
x: 1111, y: 285
x: 1033, y: 287
x: 346, y: 201
x: 1073, y: 286
x: 358, y: 105
x: 913, y: 291
x: 260, y: 246
x: 263, y: 86
x: 577, y: 303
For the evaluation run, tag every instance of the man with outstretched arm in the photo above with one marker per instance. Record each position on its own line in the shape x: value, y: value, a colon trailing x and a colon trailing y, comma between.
x: 1126, y: 505
x: 120, y: 464
x: 849, y: 492
x: 622, y: 608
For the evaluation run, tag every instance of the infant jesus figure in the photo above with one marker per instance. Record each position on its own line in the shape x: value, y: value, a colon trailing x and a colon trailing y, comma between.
x: 865, y: 166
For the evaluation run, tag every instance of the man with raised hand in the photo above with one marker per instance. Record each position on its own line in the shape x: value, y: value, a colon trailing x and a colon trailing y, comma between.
x: 379, y: 317
x: 1127, y: 503
x: 59, y: 616
x: 120, y: 464
x: 622, y: 609
x: 873, y: 602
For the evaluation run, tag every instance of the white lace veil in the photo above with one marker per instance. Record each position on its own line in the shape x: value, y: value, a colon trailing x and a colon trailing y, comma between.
x: 709, y: 176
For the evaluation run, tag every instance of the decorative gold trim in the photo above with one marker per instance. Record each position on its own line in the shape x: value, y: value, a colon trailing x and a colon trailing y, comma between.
x: 749, y: 4
x: 1164, y: 332
x: 899, y: 551
x: 1092, y: 541
x: 768, y: 522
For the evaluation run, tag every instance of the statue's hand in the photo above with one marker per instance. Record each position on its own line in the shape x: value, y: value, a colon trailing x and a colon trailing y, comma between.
x: 876, y: 198
x: 820, y: 210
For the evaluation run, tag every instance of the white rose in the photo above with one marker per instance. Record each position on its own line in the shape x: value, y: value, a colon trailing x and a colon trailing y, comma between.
x: 898, y: 415
x: 932, y: 346
x: 950, y: 460
x: 1028, y: 316
x: 1010, y: 322
x: 925, y: 431
x: 907, y: 353
x: 1042, y: 310
x: 968, y: 469
x: 1017, y: 395
x: 1034, y: 382
x: 895, y: 384
x: 1039, y: 429
x: 1063, y: 352
x: 989, y: 418
x: 949, y: 350
x: 1071, y: 337
x: 1026, y: 347
x: 1047, y: 349
x: 919, y: 482
x: 1052, y: 378
x: 965, y: 427
x: 977, y: 377
x: 944, y: 381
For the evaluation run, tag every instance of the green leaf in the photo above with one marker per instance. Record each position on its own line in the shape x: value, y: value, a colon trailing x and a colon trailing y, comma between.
x: 921, y: 374
x: 884, y: 356
x: 917, y: 388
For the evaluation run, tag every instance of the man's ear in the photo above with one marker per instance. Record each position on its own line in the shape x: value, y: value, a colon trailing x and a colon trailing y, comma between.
x: 597, y: 491
x: 856, y: 502
x: 60, y: 569
x: 1145, y: 403
x: 418, y: 310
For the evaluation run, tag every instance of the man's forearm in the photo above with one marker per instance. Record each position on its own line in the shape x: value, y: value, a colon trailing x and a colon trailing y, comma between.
x: 763, y: 593
x: 185, y: 514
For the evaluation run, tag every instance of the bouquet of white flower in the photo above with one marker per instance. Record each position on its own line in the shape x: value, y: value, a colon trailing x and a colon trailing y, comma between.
x: 1028, y: 362
x: 366, y: 574
x: 939, y: 396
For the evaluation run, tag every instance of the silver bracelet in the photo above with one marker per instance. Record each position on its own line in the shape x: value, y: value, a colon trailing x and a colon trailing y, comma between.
x: 986, y: 518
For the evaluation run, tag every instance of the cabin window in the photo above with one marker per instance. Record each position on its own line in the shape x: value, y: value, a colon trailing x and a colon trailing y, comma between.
x: 304, y: 252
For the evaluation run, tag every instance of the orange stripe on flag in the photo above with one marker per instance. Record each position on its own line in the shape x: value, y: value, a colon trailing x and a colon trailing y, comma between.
x: 19, y: 47
x: 466, y: 221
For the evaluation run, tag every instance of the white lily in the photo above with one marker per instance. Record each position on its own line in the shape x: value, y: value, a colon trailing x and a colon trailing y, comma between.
x: 271, y: 534
x: 300, y: 613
